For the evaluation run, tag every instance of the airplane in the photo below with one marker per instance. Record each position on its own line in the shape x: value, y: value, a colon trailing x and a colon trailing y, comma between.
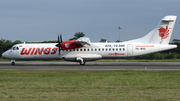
x: 83, y: 50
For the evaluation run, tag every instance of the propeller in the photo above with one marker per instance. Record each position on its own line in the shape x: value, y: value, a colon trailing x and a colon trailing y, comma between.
x: 61, y: 38
x: 59, y: 44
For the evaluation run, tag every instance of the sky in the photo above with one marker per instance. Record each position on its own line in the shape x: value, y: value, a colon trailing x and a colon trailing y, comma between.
x: 43, y: 20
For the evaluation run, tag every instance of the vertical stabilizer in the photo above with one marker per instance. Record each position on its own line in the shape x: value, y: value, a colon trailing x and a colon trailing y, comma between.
x: 162, y: 33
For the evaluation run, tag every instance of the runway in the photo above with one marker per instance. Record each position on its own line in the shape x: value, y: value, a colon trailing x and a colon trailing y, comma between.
x: 91, y: 66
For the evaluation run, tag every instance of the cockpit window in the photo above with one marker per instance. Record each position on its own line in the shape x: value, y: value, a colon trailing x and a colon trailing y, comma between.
x: 14, y: 48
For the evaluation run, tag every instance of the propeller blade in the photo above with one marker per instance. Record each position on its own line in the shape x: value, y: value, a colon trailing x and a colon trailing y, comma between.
x: 59, y: 50
x: 58, y: 39
x: 59, y: 44
x: 69, y: 45
x: 61, y: 38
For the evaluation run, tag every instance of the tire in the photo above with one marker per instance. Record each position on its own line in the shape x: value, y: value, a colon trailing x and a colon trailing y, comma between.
x: 82, y: 63
x: 12, y: 63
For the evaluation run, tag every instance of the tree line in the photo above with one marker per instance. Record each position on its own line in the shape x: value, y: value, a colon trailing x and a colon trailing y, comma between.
x: 169, y: 54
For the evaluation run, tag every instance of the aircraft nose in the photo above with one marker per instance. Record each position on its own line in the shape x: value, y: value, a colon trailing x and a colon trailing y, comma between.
x: 4, y: 55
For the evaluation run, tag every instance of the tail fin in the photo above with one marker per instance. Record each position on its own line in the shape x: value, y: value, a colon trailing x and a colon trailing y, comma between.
x: 161, y: 34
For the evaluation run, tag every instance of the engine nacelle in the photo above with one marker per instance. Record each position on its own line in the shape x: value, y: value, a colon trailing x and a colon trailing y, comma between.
x: 70, y: 45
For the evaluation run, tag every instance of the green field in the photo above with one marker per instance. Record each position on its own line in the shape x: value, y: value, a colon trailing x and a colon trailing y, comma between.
x: 90, y: 85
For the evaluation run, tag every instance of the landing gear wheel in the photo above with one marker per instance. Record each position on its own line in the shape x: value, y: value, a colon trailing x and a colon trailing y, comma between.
x: 12, y: 63
x: 82, y: 63
x: 80, y: 60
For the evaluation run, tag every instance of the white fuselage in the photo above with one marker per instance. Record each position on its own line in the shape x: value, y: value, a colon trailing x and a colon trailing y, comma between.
x: 94, y: 51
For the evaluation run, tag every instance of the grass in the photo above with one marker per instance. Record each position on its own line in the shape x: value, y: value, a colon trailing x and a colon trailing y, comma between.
x: 1, y: 59
x: 90, y: 85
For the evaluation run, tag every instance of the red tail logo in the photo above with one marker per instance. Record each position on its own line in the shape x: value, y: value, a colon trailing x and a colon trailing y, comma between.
x: 163, y: 33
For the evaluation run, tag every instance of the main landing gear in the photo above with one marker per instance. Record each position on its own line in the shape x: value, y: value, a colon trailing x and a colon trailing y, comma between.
x: 12, y: 62
x: 80, y: 60
x: 82, y: 63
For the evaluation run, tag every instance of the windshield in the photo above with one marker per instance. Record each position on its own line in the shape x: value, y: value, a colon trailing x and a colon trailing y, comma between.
x: 14, y: 48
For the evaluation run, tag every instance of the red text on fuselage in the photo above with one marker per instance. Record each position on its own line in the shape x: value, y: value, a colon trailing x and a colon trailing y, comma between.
x: 38, y: 51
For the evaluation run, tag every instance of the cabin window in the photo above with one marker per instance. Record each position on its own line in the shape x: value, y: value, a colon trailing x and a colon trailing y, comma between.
x: 106, y: 49
x: 66, y: 50
x: 77, y: 49
x: 84, y: 49
x: 116, y: 49
x: 102, y: 49
x: 73, y: 49
x: 113, y: 49
x: 70, y: 50
x: 123, y: 49
x: 88, y: 49
x: 99, y: 49
x: 109, y: 49
x: 120, y: 49
x: 92, y: 49
x: 95, y: 49
x: 80, y: 49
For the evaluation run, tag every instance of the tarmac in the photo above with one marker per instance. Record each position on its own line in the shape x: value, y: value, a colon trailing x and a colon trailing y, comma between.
x: 90, y: 66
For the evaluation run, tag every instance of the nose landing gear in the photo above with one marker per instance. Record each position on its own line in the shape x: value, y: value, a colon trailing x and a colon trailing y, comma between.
x: 12, y: 62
